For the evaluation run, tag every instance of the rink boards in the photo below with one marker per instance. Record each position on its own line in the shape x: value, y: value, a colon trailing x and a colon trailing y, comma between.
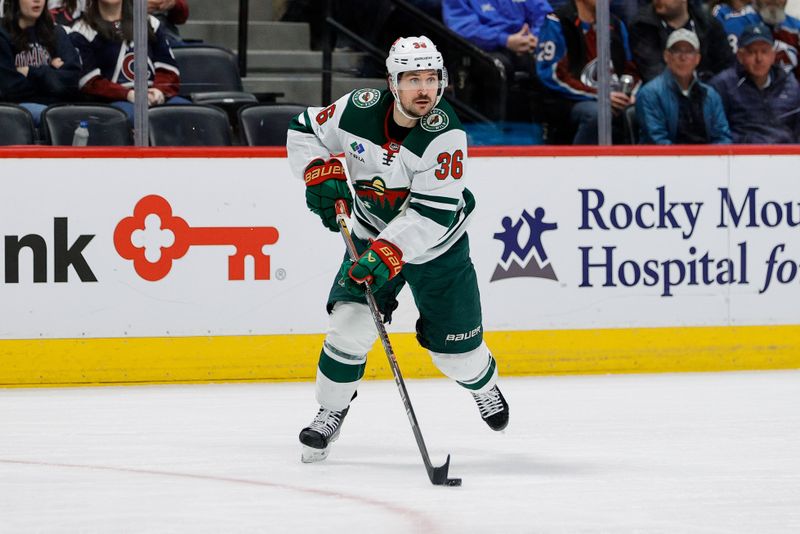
x: 589, y: 261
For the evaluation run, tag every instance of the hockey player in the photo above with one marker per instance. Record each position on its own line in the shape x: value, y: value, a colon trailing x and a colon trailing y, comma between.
x: 406, y: 154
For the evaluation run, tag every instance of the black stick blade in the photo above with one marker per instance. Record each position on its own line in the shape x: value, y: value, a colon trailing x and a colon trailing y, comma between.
x: 438, y: 475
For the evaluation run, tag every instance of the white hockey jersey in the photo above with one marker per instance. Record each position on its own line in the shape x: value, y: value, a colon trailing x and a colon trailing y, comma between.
x: 412, y: 193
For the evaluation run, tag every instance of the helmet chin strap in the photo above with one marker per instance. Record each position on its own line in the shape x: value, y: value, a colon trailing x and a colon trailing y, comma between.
x: 399, y: 107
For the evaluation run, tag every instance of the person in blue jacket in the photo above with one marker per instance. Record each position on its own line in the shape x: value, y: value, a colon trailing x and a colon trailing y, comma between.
x: 38, y: 64
x: 676, y: 107
x: 497, y: 25
x: 505, y: 29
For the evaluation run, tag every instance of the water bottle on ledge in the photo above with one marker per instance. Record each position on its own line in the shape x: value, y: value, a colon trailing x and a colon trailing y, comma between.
x: 81, y: 135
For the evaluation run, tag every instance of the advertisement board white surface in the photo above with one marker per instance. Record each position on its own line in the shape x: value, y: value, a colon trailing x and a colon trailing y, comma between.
x: 558, y: 243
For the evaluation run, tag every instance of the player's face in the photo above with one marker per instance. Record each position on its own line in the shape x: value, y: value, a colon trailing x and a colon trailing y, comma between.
x: 417, y: 91
x: 757, y: 58
x: 31, y: 9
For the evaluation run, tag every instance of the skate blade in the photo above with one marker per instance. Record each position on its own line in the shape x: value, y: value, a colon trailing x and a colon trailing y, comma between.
x: 311, y: 455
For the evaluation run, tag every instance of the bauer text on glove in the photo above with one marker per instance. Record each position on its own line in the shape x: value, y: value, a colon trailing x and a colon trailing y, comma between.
x: 326, y: 183
x: 380, y: 263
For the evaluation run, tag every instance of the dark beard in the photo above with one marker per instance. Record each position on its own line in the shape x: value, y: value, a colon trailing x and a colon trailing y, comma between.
x: 414, y: 113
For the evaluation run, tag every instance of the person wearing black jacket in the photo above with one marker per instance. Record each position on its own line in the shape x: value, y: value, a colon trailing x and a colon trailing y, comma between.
x: 652, y: 26
x: 38, y: 64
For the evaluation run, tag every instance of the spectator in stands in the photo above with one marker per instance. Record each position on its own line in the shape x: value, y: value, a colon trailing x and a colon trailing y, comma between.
x: 624, y: 9
x: 676, y: 107
x: 785, y: 30
x: 66, y: 12
x: 730, y: 13
x: 38, y: 64
x: 507, y: 30
x: 566, y: 63
x: 171, y: 14
x: 761, y: 101
x: 104, y: 38
x: 656, y: 21
x: 497, y: 25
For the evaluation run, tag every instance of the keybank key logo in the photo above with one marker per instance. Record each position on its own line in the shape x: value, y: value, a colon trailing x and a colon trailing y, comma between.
x: 524, y: 260
x: 153, y: 238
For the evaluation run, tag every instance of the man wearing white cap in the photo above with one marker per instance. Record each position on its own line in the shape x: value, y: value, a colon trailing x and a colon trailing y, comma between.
x: 676, y: 107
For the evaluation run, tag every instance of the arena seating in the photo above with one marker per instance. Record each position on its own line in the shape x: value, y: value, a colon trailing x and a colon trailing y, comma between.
x: 265, y: 125
x: 210, y: 75
x: 108, y: 126
x: 194, y: 125
x: 631, y: 125
x: 16, y: 125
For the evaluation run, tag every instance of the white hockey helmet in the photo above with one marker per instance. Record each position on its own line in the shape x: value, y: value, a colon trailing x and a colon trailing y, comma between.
x: 415, y: 53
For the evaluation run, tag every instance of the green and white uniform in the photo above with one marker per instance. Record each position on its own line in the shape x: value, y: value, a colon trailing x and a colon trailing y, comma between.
x: 413, y: 195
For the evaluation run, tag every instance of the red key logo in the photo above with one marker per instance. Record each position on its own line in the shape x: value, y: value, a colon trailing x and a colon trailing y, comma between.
x: 154, y: 262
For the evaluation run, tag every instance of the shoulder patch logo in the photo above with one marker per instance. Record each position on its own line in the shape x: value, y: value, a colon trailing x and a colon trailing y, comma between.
x: 365, y: 98
x: 435, y: 121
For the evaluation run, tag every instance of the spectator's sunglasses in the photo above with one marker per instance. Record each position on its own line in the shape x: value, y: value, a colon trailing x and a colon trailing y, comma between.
x: 683, y: 52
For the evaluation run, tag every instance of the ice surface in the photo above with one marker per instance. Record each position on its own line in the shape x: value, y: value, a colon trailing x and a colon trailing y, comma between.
x: 706, y: 453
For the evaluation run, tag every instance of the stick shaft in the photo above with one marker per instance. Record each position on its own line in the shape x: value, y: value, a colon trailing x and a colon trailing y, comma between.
x: 341, y: 211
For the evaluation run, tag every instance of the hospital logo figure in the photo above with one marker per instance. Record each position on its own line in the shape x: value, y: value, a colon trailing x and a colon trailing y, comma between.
x: 529, y: 259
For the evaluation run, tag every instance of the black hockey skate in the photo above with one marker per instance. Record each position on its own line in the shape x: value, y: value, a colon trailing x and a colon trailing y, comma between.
x: 317, y: 437
x: 493, y: 408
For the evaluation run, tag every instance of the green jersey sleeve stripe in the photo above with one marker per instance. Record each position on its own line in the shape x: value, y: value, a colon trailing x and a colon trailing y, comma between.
x: 442, y: 217
x: 443, y: 200
x: 296, y: 125
x: 461, y: 216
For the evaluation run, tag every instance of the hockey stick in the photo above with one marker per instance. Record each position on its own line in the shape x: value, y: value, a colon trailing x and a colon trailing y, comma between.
x: 438, y: 475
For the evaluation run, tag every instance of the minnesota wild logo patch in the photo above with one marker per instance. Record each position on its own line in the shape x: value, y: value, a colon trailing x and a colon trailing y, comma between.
x: 380, y: 200
x: 365, y: 98
x: 435, y: 121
